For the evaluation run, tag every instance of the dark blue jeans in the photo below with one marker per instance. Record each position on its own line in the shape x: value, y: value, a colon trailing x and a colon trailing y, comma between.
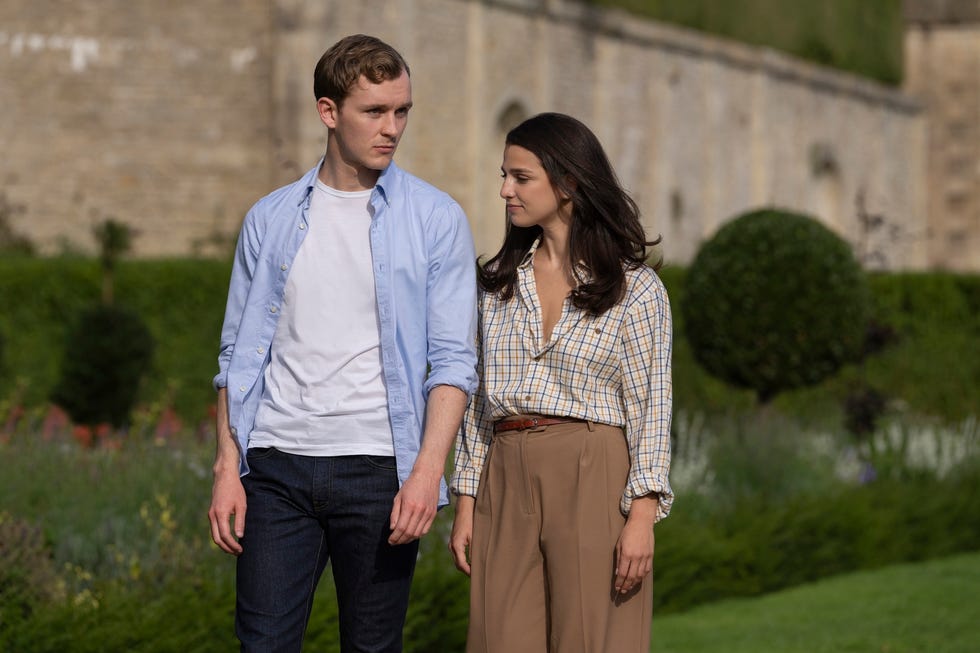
x: 303, y: 511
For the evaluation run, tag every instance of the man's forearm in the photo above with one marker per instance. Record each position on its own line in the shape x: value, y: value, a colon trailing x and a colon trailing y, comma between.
x: 226, y: 456
x: 443, y: 414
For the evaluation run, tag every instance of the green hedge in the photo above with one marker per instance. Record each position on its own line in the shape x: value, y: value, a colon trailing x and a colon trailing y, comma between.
x: 760, y: 548
x: 182, y: 302
x: 933, y: 368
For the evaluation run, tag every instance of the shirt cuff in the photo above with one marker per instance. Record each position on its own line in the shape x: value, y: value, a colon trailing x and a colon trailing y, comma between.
x: 461, y: 379
x: 465, y: 481
x: 641, y: 486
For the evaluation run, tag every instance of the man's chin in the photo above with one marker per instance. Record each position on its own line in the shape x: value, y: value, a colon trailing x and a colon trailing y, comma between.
x: 380, y: 162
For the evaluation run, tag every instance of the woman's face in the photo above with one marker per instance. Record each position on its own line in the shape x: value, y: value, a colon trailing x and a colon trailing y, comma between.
x: 530, y: 196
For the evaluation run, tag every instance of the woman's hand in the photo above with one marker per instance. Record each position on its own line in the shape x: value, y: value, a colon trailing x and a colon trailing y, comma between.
x: 459, y: 540
x: 634, y: 550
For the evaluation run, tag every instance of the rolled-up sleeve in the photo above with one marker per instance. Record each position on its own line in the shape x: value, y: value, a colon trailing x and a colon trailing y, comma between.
x: 646, y: 342
x: 451, y: 302
x: 473, y: 439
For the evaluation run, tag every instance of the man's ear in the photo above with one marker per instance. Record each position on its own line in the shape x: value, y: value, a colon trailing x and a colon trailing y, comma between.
x: 328, y: 111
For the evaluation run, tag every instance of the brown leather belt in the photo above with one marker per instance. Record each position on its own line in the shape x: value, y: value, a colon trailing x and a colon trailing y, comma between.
x: 521, y: 423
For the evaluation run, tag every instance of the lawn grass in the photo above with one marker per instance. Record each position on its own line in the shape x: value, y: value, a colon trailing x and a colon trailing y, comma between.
x: 929, y: 607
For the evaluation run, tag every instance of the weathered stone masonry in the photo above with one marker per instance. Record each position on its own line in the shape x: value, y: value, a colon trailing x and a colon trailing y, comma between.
x: 176, y: 116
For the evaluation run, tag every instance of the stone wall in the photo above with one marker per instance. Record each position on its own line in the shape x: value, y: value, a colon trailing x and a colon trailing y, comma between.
x: 188, y: 112
x: 157, y: 114
x: 942, y: 71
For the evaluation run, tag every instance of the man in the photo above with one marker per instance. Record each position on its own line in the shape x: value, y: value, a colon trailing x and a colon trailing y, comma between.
x: 347, y: 357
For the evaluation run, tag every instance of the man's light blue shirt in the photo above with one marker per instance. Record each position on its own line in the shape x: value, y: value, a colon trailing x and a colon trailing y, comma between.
x: 425, y: 282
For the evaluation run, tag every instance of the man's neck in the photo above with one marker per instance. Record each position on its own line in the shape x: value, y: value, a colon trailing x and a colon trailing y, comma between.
x: 342, y: 176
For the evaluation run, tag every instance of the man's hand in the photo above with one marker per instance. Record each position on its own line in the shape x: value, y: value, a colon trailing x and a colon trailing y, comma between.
x: 416, y: 503
x: 415, y: 507
x: 462, y: 535
x: 227, y: 493
x: 634, y: 550
x: 227, y: 502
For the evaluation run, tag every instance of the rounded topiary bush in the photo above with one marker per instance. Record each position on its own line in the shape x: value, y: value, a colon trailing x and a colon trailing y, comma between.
x: 106, y: 354
x: 775, y: 301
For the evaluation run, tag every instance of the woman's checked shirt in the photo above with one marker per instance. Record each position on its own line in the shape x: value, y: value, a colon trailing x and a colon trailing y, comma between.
x: 612, y: 369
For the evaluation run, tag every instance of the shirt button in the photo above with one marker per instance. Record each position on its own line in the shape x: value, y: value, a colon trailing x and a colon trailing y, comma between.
x: 273, y: 309
x: 283, y: 267
x: 261, y: 350
x: 302, y: 226
x: 527, y: 397
x: 598, y: 330
x: 242, y: 388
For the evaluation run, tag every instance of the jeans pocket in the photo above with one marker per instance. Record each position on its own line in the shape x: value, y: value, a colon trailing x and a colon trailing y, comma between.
x: 386, y: 463
x: 261, y: 453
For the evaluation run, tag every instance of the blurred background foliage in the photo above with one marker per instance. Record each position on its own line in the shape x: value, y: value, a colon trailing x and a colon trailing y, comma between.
x: 860, y: 36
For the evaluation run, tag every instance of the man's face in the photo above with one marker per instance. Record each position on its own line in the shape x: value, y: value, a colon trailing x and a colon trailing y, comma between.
x: 369, y: 123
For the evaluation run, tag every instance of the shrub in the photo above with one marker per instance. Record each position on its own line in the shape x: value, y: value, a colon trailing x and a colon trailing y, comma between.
x: 106, y: 354
x: 27, y: 570
x: 114, y: 239
x: 775, y: 301
x: 11, y: 242
x: 758, y: 547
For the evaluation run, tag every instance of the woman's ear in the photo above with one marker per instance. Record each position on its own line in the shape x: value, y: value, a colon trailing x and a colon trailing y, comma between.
x: 569, y: 183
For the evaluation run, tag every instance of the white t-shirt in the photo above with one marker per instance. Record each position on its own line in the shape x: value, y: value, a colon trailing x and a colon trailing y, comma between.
x: 324, y: 388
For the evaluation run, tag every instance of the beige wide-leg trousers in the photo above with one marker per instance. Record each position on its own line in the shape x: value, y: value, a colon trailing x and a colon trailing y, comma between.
x: 543, y: 550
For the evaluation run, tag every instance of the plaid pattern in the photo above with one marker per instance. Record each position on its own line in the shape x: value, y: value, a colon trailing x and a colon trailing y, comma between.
x: 612, y: 369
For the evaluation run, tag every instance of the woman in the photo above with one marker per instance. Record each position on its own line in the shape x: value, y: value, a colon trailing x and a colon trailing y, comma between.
x: 562, y: 463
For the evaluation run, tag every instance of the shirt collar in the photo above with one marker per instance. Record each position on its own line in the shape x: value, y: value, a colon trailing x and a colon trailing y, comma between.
x: 308, y: 181
x: 388, y: 182
x: 386, y: 186
x: 581, y: 271
x: 526, y: 261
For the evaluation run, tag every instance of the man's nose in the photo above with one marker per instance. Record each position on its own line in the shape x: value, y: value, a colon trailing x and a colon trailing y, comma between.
x: 389, y: 125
